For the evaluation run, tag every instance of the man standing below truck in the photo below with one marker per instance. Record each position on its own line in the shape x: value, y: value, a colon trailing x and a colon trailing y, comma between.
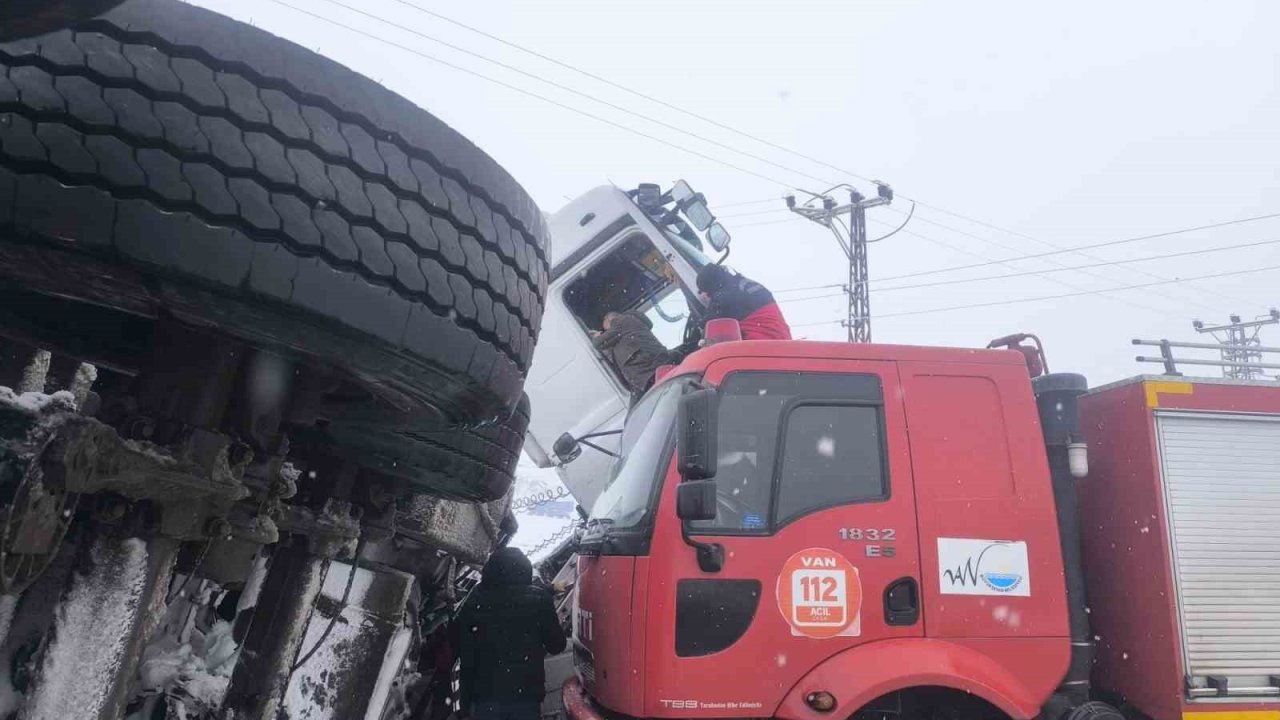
x: 502, y: 634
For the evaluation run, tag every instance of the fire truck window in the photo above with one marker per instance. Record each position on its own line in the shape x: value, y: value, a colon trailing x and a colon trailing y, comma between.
x: 635, y: 277
x: 751, y: 411
x: 831, y: 456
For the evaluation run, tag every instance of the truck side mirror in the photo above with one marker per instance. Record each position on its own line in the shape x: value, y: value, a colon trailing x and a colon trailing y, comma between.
x: 718, y: 237
x: 566, y: 448
x: 696, y: 500
x: 697, y: 416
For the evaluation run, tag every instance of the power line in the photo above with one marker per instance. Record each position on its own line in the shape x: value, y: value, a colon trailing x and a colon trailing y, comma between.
x: 749, y: 202
x: 1009, y: 262
x: 771, y: 211
x: 767, y: 222
x: 625, y: 128
x: 724, y: 126
x: 1055, y: 246
x: 569, y: 89
x: 529, y: 93
x: 1109, y: 263
x: 1110, y: 243
x: 614, y: 106
x: 995, y: 303
x: 954, y: 248
x: 630, y: 91
x: 806, y: 289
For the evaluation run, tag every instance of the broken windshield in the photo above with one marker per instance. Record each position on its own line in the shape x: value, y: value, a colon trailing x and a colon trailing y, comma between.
x: 643, y: 459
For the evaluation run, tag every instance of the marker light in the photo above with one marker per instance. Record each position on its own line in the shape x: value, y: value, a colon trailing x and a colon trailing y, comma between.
x: 723, y: 330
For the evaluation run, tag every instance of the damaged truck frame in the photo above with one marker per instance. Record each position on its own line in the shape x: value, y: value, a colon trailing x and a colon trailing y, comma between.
x: 264, y: 327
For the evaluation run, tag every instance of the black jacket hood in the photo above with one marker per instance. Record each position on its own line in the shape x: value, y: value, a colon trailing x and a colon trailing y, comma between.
x: 507, y: 566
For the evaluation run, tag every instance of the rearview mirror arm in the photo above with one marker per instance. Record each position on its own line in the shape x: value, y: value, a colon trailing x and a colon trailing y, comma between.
x: 710, y: 555
x: 597, y: 448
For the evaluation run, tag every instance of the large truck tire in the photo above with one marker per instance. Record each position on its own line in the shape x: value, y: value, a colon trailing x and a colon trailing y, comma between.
x: 24, y: 18
x: 281, y: 197
x: 476, y: 464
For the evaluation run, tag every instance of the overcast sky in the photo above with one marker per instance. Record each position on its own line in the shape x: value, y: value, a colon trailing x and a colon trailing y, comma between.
x: 1072, y: 124
x: 1068, y: 124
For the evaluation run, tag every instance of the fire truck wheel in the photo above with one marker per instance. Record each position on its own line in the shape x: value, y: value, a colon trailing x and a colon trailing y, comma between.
x: 306, y: 207
x: 25, y: 18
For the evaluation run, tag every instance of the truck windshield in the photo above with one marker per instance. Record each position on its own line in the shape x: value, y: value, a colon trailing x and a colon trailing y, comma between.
x: 625, y: 501
x: 690, y: 253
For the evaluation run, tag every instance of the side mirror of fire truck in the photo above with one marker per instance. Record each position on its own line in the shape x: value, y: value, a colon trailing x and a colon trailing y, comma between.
x: 696, y: 500
x: 697, y: 415
x: 696, y: 459
x: 696, y: 495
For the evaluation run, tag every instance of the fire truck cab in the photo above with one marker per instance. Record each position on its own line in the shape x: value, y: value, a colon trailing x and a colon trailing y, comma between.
x: 814, y: 530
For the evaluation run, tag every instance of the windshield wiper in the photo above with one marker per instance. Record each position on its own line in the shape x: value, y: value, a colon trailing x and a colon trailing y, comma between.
x: 596, y: 535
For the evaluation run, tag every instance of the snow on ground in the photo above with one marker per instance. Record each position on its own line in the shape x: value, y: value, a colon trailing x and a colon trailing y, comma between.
x: 539, y: 534
x: 93, y: 624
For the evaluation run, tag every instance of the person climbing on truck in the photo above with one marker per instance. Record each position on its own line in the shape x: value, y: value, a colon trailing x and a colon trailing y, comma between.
x: 628, y: 341
x: 729, y: 295
x: 502, y: 633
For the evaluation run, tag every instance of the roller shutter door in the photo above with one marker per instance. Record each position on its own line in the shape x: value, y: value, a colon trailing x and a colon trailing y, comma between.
x: 1222, y: 494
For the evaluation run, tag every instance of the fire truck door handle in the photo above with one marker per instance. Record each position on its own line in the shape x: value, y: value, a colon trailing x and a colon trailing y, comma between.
x: 902, y: 602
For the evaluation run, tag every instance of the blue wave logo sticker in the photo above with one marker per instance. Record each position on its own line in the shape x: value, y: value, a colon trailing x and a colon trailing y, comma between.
x: 970, y: 566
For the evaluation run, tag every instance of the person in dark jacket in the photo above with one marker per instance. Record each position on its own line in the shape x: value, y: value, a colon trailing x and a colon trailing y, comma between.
x: 503, y: 632
x: 629, y: 341
x: 729, y: 295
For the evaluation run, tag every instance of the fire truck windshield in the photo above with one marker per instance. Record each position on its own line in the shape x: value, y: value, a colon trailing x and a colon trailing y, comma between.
x: 643, y: 458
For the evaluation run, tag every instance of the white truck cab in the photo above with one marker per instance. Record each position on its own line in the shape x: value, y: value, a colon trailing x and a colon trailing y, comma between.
x: 611, y: 250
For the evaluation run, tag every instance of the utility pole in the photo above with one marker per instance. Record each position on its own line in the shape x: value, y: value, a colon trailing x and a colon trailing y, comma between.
x: 853, y: 241
x: 1240, y: 346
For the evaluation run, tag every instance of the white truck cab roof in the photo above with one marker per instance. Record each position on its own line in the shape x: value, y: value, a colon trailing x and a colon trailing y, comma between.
x: 607, y: 254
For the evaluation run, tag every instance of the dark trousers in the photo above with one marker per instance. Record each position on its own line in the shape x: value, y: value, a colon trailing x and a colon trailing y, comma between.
x: 506, y: 710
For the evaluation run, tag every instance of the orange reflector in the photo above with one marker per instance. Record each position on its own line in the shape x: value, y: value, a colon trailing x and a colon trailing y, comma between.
x: 822, y: 701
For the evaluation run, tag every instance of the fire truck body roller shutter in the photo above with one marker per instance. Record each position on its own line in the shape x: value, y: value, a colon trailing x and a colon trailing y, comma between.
x: 1222, y: 495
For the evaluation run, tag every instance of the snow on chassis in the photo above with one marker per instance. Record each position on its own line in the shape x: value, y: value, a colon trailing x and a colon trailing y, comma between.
x: 264, y: 328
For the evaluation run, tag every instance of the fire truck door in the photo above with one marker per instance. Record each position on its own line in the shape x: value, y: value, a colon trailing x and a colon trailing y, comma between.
x: 816, y: 515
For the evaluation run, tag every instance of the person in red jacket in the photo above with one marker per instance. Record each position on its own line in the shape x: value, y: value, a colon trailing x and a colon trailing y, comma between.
x: 729, y: 295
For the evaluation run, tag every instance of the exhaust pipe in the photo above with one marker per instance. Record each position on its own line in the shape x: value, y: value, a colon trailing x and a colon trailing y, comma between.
x: 1057, y: 398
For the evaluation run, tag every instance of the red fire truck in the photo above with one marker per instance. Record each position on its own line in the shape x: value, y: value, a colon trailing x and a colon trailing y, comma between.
x: 819, y: 530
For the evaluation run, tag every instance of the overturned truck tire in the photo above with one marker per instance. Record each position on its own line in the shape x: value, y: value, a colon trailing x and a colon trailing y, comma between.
x: 284, y: 199
x: 24, y: 18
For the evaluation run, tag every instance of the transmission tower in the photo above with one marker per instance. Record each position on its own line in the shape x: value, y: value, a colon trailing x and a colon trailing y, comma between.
x: 826, y: 211
x: 1241, y: 347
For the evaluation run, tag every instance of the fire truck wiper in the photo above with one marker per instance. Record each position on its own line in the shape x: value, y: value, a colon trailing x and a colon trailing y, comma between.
x: 595, y: 536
